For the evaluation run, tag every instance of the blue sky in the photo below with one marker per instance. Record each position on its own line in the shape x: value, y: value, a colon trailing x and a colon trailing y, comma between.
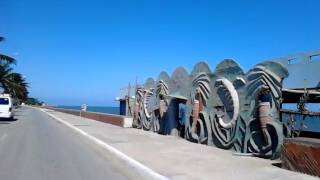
x: 75, y: 52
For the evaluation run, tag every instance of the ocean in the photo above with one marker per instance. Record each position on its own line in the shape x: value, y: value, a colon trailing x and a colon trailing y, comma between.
x: 101, y: 109
x: 308, y: 123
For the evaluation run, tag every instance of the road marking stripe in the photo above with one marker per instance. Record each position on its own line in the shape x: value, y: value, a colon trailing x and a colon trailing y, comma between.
x: 142, y: 168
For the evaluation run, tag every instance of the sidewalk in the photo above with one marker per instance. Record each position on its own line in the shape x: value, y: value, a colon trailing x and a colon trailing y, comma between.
x: 177, y: 158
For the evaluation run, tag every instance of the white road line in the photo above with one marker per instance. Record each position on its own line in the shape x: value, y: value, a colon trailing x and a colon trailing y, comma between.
x: 140, y: 167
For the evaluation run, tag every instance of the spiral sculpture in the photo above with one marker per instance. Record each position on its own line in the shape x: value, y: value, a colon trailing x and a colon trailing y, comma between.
x: 226, y: 108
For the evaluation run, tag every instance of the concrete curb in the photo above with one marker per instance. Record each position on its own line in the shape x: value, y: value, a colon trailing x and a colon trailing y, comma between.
x: 128, y: 160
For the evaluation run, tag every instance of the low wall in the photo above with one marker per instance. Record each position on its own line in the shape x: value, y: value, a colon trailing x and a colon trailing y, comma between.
x: 122, y: 121
x: 302, y: 155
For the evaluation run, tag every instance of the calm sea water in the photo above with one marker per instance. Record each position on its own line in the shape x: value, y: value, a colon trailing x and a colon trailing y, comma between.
x: 307, y: 123
x: 102, y: 109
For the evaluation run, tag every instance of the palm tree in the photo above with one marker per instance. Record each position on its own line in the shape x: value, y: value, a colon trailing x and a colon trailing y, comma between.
x: 11, y: 82
x: 19, y: 86
x: 5, y: 58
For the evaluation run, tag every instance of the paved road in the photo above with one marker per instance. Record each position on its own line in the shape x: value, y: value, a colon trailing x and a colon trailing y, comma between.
x: 36, y: 147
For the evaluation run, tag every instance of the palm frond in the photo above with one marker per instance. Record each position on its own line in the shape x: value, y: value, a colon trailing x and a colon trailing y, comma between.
x: 7, y: 59
x: 13, y: 83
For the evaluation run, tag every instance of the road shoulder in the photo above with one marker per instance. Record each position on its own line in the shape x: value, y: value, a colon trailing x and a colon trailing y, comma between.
x: 159, y: 157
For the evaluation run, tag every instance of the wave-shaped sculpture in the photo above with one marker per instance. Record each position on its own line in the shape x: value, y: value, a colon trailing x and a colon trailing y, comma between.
x: 263, y: 91
x: 147, y: 121
x: 226, y: 108
x: 197, y: 129
x: 232, y: 101
x: 137, y: 119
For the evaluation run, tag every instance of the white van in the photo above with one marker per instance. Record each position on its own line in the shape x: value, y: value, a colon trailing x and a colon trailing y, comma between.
x: 6, y: 106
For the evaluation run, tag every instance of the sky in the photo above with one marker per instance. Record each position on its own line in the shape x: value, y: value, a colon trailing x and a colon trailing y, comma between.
x: 74, y: 52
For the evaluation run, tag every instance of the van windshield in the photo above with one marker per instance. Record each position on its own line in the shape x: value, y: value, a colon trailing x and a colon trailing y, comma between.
x: 4, y: 101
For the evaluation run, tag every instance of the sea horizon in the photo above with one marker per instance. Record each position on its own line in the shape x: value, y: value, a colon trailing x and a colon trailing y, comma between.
x: 100, y: 109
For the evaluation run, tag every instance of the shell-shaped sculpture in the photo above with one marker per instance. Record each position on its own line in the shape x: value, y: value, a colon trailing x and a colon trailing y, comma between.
x: 231, y: 101
x: 180, y: 81
x: 228, y: 67
x: 164, y: 77
x: 147, y: 95
x: 267, y: 74
x: 225, y: 115
x: 263, y: 92
x: 201, y: 85
x: 162, y: 89
x: 226, y: 108
x: 201, y: 67
x: 137, y: 119
x: 149, y: 83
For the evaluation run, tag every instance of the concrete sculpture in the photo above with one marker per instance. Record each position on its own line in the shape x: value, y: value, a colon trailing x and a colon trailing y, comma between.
x: 226, y: 108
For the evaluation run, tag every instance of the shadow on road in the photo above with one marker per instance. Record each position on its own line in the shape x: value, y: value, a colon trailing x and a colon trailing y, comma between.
x: 7, y: 121
x: 4, y: 122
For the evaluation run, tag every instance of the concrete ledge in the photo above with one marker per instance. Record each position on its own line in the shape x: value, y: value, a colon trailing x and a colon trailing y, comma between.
x: 118, y: 120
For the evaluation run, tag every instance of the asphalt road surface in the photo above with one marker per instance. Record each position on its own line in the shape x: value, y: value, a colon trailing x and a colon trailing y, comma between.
x: 36, y: 147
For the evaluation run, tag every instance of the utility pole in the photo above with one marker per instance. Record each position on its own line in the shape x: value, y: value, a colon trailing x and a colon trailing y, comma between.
x: 128, y: 99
